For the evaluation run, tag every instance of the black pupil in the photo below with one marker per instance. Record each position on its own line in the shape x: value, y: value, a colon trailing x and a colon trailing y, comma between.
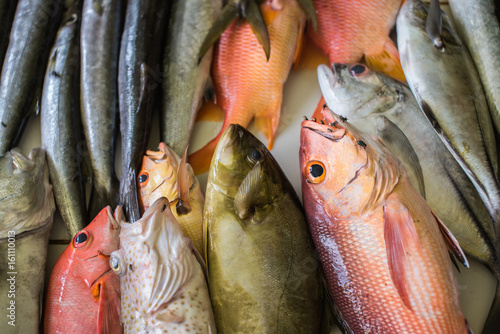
x: 81, y: 238
x: 255, y: 155
x: 143, y: 178
x: 316, y: 170
x: 358, y: 69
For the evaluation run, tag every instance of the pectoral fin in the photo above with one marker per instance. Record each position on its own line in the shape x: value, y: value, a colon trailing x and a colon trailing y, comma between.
x: 451, y: 242
x: 108, y: 312
x: 387, y: 62
x: 247, y: 192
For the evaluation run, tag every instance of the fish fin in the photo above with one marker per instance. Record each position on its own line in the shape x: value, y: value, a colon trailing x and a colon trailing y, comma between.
x: 310, y: 11
x: 201, y: 159
x: 108, y: 310
x: 168, y: 281
x: 434, y: 24
x: 210, y: 112
x: 255, y: 18
x: 209, y: 92
x: 267, y: 123
x: 451, y: 242
x: 244, y: 201
x: 398, y: 143
x: 100, y: 197
x: 311, y: 56
x: 227, y: 16
x: 300, y: 45
x: 128, y: 195
x: 184, y: 182
x: 319, y: 108
x: 387, y: 62
x: 400, y: 239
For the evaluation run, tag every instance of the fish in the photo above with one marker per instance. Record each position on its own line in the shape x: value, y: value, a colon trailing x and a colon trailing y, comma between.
x: 186, y: 78
x: 100, y: 44
x: 83, y: 295
x: 477, y: 24
x: 61, y: 126
x: 162, y: 281
x: 138, y: 90
x: 378, y: 104
x: 246, y: 84
x: 164, y: 174
x: 26, y: 214
x: 354, y: 31
x: 7, y: 11
x: 383, y: 252
x: 31, y: 38
x: 444, y: 81
x: 262, y: 271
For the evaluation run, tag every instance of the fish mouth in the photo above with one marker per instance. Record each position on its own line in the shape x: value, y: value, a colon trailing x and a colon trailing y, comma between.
x: 333, y: 130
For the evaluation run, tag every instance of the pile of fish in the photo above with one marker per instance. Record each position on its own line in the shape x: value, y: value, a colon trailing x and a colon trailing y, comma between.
x: 398, y: 165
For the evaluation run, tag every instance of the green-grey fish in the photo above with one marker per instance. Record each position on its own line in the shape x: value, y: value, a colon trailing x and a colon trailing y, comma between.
x: 100, y: 44
x: 26, y: 211
x: 31, y: 38
x: 262, y: 272
x: 379, y: 105
x: 446, y: 86
x: 61, y: 123
x: 184, y: 79
x: 7, y: 11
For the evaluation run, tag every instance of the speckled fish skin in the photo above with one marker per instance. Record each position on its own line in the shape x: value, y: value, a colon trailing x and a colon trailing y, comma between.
x: 369, y: 100
x: 7, y: 11
x: 445, y: 82
x: 162, y: 283
x: 138, y: 89
x: 381, y: 249
x: 26, y: 211
x: 83, y: 294
x: 478, y: 26
x: 185, y: 77
x: 100, y: 44
x: 32, y: 36
x: 159, y: 176
x: 262, y: 271
x: 61, y: 124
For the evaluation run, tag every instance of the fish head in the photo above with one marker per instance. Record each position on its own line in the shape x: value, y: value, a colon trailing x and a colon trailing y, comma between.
x: 26, y: 199
x: 343, y: 169
x: 354, y: 91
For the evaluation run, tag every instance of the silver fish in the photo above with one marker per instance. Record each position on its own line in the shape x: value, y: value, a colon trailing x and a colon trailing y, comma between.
x: 26, y: 212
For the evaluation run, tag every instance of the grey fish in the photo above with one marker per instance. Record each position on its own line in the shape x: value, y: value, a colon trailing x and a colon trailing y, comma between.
x: 100, y: 44
x: 140, y: 56
x: 61, y: 124
x: 448, y: 91
x: 31, y: 38
x: 478, y: 25
x: 185, y: 79
x: 262, y: 272
x: 7, y: 11
x: 26, y: 212
x: 380, y: 105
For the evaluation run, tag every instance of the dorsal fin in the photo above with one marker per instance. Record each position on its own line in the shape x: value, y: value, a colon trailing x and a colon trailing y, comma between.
x: 434, y: 24
x: 451, y: 242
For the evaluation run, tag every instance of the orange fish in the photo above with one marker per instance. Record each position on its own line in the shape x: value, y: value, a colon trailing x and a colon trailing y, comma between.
x: 383, y: 251
x: 83, y: 294
x: 247, y: 86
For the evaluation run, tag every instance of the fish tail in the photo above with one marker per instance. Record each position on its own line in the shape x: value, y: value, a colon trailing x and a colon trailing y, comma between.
x: 128, y: 195
x: 268, y: 125
x: 210, y: 112
x: 317, y: 112
x: 310, y: 56
x: 201, y: 159
x: 492, y: 323
x: 387, y: 62
x: 100, y: 197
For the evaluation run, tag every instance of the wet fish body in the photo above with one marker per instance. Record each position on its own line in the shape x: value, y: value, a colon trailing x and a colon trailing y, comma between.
x: 381, y: 248
x: 7, y: 11
x: 61, y: 122
x: 271, y: 284
x: 26, y: 212
x: 185, y: 77
x: 83, y: 294
x: 163, y: 285
x: 32, y: 35
x: 100, y: 44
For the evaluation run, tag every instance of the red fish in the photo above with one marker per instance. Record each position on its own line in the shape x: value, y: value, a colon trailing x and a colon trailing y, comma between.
x: 83, y: 295
x: 383, y: 251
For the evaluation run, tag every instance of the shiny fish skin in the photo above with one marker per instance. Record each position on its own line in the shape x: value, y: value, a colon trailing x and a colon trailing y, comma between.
x: 369, y: 98
x: 162, y: 283
x: 61, y: 127
x: 31, y: 38
x: 7, y: 11
x: 100, y: 43
x: 26, y: 208
x: 140, y: 55
x: 269, y: 282
x: 184, y: 79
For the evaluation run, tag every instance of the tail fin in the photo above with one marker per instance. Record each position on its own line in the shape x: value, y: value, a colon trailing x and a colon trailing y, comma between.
x: 387, y: 62
x: 102, y: 197
x: 210, y: 112
x: 128, y: 195
x: 268, y: 122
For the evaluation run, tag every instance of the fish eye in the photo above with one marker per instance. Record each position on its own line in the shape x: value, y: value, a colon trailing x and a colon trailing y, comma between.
x: 117, y: 264
x: 143, y: 178
x: 359, y: 70
x: 255, y: 155
x: 315, y: 172
x: 82, y: 239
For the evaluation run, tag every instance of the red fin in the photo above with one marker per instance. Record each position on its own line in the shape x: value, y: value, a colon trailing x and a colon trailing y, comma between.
x: 300, y: 45
x: 201, y: 159
x: 183, y: 185
x: 310, y: 56
x: 108, y: 312
x: 400, y: 235
x: 387, y: 62
x: 268, y: 125
x: 451, y: 242
x: 319, y: 108
x: 210, y: 112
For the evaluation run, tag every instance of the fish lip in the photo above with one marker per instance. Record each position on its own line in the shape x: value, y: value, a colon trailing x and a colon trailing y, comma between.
x: 328, y: 131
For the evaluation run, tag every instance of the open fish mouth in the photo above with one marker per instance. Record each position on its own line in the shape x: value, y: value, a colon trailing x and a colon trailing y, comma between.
x: 329, y: 131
